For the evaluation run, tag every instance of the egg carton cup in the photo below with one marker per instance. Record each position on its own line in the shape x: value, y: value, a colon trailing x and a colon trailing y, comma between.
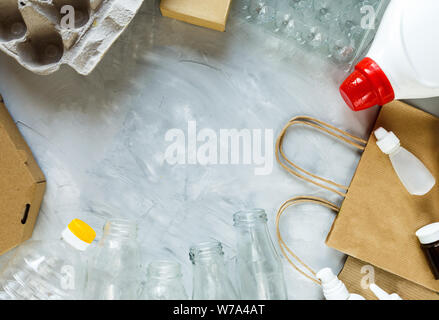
x: 33, y: 32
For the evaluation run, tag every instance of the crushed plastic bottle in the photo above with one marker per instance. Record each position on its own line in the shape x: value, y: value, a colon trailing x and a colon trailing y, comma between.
x: 49, y: 270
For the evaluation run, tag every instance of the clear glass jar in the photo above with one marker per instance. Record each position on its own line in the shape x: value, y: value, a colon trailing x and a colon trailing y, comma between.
x: 114, y: 270
x: 260, y: 271
x: 164, y: 282
x: 210, y: 278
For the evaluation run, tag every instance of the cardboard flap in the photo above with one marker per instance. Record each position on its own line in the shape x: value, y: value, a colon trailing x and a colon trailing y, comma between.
x: 378, y: 219
x: 22, y: 185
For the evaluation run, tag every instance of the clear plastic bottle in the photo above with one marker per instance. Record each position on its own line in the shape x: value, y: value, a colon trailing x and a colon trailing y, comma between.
x: 164, y: 282
x: 49, y: 270
x: 210, y: 278
x: 114, y: 270
x: 259, y: 266
x: 411, y: 171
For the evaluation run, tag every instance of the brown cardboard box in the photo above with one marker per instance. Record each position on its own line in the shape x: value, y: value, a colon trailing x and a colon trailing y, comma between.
x: 22, y: 185
x: 205, y: 13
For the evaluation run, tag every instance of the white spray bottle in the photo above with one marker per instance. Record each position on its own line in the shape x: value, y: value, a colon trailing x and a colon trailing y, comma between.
x: 334, y: 288
x: 411, y: 171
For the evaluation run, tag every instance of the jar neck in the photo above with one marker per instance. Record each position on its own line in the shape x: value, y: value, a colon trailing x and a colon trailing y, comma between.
x: 206, y: 253
x: 120, y: 229
x: 164, y: 270
x: 250, y: 218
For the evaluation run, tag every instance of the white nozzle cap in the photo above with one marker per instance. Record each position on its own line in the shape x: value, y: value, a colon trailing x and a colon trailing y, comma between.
x: 429, y: 233
x: 333, y: 288
x: 386, y: 141
x: 69, y: 237
x: 383, y: 295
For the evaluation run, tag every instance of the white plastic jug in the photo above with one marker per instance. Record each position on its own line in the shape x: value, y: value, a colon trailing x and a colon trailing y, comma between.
x: 403, y: 60
x: 411, y: 171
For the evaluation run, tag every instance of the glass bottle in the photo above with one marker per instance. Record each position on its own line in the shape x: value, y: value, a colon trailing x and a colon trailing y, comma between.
x: 259, y: 266
x: 164, y: 282
x: 211, y: 281
x: 114, y: 271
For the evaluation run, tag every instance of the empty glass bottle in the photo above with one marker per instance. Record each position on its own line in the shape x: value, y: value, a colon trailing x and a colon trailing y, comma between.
x: 259, y: 266
x: 114, y: 271
x: 49, y: 270
x: 164, y: 282
x: 211, y: 281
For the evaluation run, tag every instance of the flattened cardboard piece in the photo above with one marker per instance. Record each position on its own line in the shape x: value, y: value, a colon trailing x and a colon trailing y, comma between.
x: 353, y: 274
x: 210, y: 14
x: 22, y: 185
x: 378, y: 219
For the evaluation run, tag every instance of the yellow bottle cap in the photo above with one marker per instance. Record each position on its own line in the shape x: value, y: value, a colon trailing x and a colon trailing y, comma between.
x: 82, y: 230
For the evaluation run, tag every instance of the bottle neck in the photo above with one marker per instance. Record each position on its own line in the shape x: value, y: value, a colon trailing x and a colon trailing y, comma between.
x: 250, y: 219
x: 164, y: 270
x: 120, y: 230
x: 205, y: 254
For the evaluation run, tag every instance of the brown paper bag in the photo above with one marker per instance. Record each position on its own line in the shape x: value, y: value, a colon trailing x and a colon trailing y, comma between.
x: 378, y: 218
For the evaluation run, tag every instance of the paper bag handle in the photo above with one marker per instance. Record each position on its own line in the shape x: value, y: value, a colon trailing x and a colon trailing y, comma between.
x: 294, y: 169
x: 308, y: 272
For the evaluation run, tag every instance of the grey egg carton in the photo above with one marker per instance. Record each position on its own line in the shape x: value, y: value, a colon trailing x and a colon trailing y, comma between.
x: 32, y: 32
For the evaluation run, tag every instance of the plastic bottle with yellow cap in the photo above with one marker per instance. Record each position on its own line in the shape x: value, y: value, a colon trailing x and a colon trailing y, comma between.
x: 50, y: 269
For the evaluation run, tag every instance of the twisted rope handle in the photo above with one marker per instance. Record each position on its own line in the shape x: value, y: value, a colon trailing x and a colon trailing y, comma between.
x: 309, y: 272
x: 294, y: 169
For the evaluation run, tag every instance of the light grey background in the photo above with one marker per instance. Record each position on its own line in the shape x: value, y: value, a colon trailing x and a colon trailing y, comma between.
x: 100, y: 139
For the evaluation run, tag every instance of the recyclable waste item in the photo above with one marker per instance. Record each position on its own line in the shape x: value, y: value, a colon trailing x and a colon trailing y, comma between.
x: 402, y: 61
x: 114, y: 270
x: 334, y: 288
x: 383, y: 295
x: 164, y: 282
x: 211, y: 14
x: 429, y: 238
x: 413, y: 174
x: 210, y: 278
x: 22, y: 184
x: 340, y: 30
x: 259, y: 266
x: 49, y: 270
x: 42, y: 35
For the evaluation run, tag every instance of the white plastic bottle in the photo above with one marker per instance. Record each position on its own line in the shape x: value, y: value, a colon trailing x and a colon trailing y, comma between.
x: 403, y: 60
x: 411, y: 171
x: 48, y: 270
x: 334, y: 288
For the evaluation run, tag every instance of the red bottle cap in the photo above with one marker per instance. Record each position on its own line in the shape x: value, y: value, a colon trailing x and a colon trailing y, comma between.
x: 367, y: 86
